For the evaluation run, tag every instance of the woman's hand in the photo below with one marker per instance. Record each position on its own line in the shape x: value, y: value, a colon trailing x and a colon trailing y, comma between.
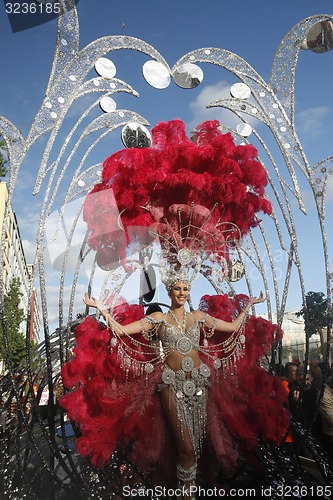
x: 256, y: 300
x: 93, y: 302
x: 129, y: 329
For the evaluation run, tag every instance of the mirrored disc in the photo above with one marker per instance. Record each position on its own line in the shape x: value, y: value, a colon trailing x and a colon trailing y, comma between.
x: 148, y: 284
x: 244, y: 129
x: 135, y: 135
x: 105, y: 67
x: 240, y: 91
x: 320, y: 37
x: 188, y: 76
x: 107, y: 104
x: 236, y: 270
x: 156, y: 74
x: 106, y: 259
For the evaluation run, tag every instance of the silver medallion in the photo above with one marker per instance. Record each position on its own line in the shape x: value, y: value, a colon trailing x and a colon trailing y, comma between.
x: 105, y: 67
x: 156, y: 74
x: 240, y: 91
x: 184, y: 256
x: 189, y: 388
x: 149, y: 368
x: 244, y: 129
x: 217, y: 363
x: 204, y: 370
x: 188, y: 75
x: 187, y: 364
x: 319, y: 38
x: 135, y: 135
x: 107, y: 104
x: 184, y: 345
x: 168, y: 377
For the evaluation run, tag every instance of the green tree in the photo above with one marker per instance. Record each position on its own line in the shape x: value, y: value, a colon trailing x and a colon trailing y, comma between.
x: 3, y: 161
x: 315, y: 311
x: 315, y: 314
x: 13, y: 317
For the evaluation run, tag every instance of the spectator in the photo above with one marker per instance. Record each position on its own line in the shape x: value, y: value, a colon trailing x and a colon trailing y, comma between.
x: 290, y: 374
x: 290, y: 377
x: 317, y: 376
x: 324, y: 366
x: 303, y: 401
x: 326, y: 414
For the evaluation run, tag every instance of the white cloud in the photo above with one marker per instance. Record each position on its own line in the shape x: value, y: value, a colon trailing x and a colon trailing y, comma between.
x: 29, y: 250
x: 28, y: 220
x: 310, y: 121
x: 52, y: 292
x: 208, y: 95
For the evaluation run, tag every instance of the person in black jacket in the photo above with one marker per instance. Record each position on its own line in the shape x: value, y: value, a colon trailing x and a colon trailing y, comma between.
x: 303, y: 401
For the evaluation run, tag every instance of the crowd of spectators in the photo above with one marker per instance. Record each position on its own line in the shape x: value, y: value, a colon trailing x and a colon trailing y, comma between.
x: 309, y: 398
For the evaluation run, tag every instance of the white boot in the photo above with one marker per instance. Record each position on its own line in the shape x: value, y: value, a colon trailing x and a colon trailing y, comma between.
x: 187, y: 481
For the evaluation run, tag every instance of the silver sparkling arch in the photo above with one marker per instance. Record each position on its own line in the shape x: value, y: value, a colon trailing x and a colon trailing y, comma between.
x: 30, y: 444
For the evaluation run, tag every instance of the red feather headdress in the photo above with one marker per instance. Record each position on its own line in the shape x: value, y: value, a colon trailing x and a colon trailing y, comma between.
x: 210, y: 181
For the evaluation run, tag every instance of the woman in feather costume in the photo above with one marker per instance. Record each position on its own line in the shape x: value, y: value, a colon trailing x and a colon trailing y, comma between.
x: 166, y: 383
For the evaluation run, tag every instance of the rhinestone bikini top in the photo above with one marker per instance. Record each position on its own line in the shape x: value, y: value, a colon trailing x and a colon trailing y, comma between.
x: 174, y: 339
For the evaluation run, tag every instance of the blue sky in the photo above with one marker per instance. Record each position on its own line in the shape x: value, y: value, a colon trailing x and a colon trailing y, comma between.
x: 253, y: 30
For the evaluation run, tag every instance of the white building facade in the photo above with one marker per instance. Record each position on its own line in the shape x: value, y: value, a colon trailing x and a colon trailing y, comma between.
x: 15, y: 266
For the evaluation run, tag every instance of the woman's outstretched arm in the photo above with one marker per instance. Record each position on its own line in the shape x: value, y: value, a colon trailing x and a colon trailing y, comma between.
x: 130, y: 329
x: 229, y: 327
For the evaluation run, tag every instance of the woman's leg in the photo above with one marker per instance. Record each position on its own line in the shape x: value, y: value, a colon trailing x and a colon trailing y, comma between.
x: 187, y: 461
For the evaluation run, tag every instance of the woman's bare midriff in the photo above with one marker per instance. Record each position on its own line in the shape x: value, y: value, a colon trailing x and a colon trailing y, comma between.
x: 175, y: 358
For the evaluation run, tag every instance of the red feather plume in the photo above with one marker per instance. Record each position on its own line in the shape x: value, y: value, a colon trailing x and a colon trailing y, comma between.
x: 139, y: 185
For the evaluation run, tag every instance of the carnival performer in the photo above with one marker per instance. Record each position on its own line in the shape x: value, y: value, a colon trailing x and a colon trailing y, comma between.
x: 165, y: 383
x: 185, y: 379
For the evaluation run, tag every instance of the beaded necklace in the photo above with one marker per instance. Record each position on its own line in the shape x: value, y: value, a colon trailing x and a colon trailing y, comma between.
x: 182, y: 329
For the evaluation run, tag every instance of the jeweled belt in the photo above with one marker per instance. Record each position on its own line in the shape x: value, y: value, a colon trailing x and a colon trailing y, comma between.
x: 187, y: 386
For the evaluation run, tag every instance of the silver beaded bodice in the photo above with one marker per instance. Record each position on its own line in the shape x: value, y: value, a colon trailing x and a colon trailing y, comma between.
x: 174, y: 339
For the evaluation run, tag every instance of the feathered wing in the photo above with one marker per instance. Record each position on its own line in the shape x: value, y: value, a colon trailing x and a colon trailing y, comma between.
x: 247, y: 407
x: 110, y: 407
